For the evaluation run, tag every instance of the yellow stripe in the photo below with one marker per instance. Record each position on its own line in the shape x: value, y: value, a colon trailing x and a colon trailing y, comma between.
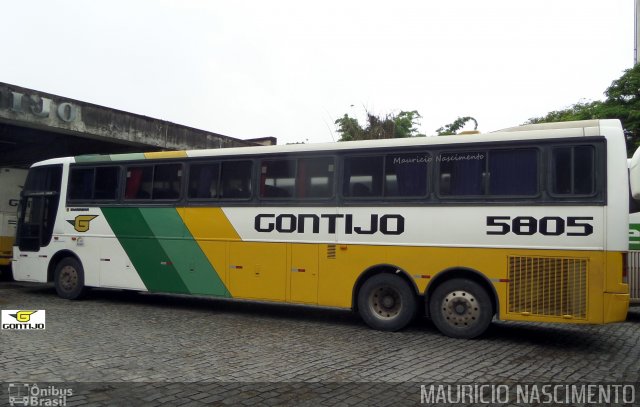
x: 208, y: 224
x: 166, y: 154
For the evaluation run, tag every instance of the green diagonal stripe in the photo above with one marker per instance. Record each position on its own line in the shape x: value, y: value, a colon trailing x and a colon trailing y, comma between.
x: 92, y: 158
x: 144, y: 250
x: 186, y: 255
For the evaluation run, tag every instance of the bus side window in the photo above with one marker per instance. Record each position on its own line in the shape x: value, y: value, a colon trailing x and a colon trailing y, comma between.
x: 81, y: 183
x: 167, y: 181
x: 106, y: 183
x: 513, y: 172
x: 573, y: 170
x: 465, y: 172
x: 203, y: 180
x: 277, y: 178
x: 406, y: 175
x: 94, y: 183
x: 138, y: 182
x: 315, y: 178
x: 362, y: 176
x: 235, y: 180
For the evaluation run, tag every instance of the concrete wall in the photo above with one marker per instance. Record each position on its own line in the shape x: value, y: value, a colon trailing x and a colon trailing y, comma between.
x: 56, y: 114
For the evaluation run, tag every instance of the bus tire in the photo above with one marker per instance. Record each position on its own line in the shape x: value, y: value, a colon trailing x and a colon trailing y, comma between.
x: 69, y: 279
x: 386, y: 302
x: 461, y: 308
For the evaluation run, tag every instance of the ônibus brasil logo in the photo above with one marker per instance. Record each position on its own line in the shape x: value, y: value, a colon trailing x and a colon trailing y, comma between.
x: 25, y: 394
x: 19, y: 320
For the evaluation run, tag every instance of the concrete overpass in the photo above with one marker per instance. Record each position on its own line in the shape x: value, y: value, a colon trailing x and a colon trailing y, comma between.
x: 35, y: 126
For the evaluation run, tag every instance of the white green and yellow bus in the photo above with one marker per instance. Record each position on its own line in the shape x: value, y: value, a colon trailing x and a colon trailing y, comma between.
x: 526, y: 224
x: 11, y: 182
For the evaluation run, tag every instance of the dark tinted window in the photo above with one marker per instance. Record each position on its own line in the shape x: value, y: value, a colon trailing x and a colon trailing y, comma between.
x: 305, y: 178
x: 573, y: 170
x: 161, y: 181
x: 138, y: 182
x: 362, y: 177
x: 167, y: 181
x: 391, y: 176
x: 46, y: 178
x: 584, y: 170
x: 235, y: 180
x: 203, y: 180
x: 501, y: 172
x: 81, y: 183
x: 99, y: 183
x: 277, y: 178
x: 462, y: 173
x: 106, y: 183
x: 513, y: 172
x: 38, y: 213
x: 406, y: 175
x: 315, y: 178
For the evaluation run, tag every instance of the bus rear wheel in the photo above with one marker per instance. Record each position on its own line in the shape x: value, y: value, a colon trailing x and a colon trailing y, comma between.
x: 386, y: 302
x: 461, y: 308
x: 69, y: 279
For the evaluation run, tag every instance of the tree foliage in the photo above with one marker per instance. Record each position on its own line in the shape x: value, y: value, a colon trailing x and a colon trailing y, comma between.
x: 622, y: 102
x: 403, y: 124
x: 456, y: 126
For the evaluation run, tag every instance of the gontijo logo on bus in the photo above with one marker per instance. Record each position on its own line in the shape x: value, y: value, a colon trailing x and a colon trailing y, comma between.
x: 392, y: 224
x: 81, y: 222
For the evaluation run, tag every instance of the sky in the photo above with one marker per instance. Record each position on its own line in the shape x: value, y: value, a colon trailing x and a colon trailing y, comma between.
x: 288, y: 69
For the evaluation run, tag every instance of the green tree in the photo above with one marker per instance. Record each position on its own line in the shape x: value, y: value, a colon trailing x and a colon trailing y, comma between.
x: 456, y: 126
x: 403, y: 124
x: 583, y: 110
x: 622, y: 102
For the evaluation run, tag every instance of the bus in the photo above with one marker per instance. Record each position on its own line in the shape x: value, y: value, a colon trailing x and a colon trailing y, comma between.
x: 11, y: 182
x: 525, y: 224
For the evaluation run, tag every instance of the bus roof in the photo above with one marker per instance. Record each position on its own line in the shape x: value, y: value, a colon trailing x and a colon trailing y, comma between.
x: 526, y: 132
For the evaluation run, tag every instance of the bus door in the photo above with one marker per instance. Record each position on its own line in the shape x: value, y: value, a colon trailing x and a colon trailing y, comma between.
x: 38, y: 208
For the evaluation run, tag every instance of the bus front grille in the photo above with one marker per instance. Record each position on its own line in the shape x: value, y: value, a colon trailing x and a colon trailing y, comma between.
x: 548, y: 286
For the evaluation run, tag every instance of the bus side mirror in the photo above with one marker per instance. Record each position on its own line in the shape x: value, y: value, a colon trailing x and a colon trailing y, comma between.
x: 634, y: 175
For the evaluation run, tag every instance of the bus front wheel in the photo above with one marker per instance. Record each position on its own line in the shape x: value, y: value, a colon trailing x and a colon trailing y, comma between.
x: 461, y: 308
x: 386, y: 302
x: 69, y: 279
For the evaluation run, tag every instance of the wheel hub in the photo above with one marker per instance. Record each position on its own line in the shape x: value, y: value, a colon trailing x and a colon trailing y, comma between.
x: 68, y: 278
x: 460, y: 308
x: 388, y: 301
x: 385, y: 302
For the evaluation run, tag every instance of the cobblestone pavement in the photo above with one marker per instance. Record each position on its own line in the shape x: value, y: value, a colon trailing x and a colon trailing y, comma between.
x: 125, y: 348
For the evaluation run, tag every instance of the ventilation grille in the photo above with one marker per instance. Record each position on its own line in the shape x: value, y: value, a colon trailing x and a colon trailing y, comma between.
x: 548, y: 286
x: 331, y: 251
